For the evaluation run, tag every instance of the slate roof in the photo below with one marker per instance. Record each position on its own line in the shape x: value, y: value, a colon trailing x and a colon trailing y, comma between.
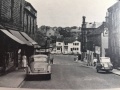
x: 67, y: 39
x: 98, y: 30
x: 93, y: 24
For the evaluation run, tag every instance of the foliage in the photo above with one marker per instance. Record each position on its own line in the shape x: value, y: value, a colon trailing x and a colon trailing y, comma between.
x: 40, y: 38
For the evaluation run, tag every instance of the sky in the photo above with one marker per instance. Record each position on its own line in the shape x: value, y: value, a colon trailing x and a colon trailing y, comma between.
x: 67, y: 13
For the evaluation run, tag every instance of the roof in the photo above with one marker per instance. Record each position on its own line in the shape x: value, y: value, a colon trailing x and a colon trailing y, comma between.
x: 29, y: 4
x: 117, y: 4
x: 39, y: 56
x: 69, y: 40
x: 99, y: 30
x: 93, y: 24
x: 76, y: 30
x: 60, y: 39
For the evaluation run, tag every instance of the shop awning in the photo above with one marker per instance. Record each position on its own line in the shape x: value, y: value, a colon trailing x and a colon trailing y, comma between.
x: 12, y: 36
x: 28, y: 38
x: 19, y: 36
x: 35, y: 44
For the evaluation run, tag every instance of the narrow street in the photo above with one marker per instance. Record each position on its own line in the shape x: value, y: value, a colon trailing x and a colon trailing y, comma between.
x: 67, y: 74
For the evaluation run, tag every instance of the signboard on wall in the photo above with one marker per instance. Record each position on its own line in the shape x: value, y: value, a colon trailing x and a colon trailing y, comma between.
x: 105, y: 33
x: 97, y: 49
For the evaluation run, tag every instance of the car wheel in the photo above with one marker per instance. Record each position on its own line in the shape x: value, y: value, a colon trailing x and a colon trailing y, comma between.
x: 27, y: 78
x: 49, y: 76
x: 107, y: 71
x: 97, y: 70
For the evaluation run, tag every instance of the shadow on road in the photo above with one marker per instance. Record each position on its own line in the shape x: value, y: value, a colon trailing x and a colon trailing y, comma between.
x: 104, y: 72
x: 37, y: 78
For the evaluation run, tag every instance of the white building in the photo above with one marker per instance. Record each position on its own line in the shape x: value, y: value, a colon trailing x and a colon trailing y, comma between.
x: 74, y: 47
x: 68, y: 47
x: 59, y: 47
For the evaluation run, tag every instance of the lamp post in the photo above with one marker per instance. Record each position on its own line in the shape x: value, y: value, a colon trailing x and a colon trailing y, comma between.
x: 45, y: 43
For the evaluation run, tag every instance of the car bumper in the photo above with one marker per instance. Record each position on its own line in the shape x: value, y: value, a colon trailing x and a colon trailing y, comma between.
x: 37, y: 73
x: 107, y: 69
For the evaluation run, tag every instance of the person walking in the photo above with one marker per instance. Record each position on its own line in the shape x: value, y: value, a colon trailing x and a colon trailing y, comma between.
x: 94, y: 61
x: 51, y: 58
x: 24, y: 62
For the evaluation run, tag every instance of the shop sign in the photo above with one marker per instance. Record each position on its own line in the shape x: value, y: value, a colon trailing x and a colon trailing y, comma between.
x: 97, y: 49
x: 87, y: 51
x: 105, y: 34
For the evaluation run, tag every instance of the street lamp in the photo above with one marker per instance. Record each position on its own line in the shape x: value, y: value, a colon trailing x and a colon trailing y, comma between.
x: 45, y: 43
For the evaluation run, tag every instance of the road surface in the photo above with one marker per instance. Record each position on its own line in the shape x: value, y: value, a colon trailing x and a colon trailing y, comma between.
x: 67, y: 74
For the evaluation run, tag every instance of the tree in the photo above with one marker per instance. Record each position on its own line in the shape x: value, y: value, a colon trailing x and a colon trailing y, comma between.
x: 40, y: 38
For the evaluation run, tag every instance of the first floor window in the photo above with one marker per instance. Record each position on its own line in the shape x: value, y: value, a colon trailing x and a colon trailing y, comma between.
x: 58, y: 48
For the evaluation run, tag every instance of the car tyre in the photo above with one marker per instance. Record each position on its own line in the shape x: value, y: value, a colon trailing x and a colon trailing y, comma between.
x: 97, y: 70
x: 49, y: 76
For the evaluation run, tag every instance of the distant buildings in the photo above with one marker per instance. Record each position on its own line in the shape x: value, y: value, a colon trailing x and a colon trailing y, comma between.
x: 68, y: 46
x: 103, y: 40
x: 86, y: 29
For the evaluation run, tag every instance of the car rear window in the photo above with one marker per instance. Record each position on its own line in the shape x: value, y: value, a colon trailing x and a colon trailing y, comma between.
x: 40, y: 59
x: 105, y: 60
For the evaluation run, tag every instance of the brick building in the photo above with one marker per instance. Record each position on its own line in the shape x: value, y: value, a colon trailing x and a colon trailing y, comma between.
x: 15, y: 42
x: 86, y: 28
x: 30, y: 19
x: 97, y: 43
x: 11, y: 14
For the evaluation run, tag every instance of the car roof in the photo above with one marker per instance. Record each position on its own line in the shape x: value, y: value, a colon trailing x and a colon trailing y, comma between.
x: 39, y: 55
x: 104, y: 57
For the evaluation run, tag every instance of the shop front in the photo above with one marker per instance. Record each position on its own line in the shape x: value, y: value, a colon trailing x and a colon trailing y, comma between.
x: 97, y: 52
x: 8, y: 52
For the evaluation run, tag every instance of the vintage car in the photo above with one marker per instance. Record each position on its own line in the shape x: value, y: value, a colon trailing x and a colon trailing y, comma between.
x: 104, y: 64
x: 39, y: 65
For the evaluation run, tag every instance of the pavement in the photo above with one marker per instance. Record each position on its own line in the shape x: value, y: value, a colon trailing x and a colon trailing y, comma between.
x: 12, y: 79
x: 114, y: 71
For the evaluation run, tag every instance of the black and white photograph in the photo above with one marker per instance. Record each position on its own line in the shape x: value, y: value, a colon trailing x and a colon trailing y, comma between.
x: 59, y: 44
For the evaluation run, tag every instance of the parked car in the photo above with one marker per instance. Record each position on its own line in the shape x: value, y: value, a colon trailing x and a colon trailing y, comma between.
x: 104, y: 64
x: 39, y: 65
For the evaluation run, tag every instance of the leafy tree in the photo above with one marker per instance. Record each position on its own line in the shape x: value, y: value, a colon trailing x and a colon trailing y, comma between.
x: 40, y: 38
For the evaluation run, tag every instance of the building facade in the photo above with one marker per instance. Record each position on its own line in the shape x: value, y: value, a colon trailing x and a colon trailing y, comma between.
x: 68, y: 47
x: 30, y: 20
x: 97, y: 43
x: 113, y: 20
x: 14, y: 42
x: 11, y: 14
x: 86, y: 28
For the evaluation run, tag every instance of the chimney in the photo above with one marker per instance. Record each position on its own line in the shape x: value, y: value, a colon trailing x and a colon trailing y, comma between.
x: 84, y: 19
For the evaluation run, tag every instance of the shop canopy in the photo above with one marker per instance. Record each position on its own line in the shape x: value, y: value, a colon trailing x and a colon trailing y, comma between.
x: 28, y: 38
x: 35, y: 44
x: 19, y: 36
x: 12, y: 36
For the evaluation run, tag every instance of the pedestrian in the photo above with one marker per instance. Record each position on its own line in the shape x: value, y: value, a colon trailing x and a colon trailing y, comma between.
x: 24, y: 62
x: 75, y: 57
x: 51, y: 58
x: 94, y: 61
